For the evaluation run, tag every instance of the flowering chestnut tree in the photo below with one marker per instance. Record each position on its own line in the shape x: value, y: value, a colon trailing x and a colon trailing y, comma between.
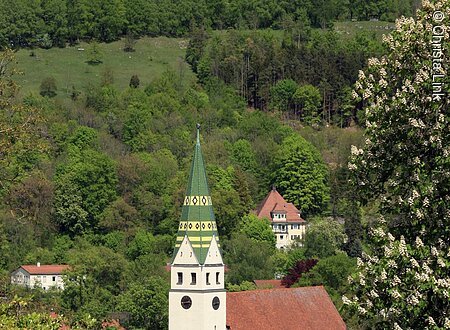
x: 404, y: 281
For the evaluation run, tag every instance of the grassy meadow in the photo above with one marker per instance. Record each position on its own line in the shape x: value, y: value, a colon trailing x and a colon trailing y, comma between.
x: 69, y: 67
x: 349, y: 29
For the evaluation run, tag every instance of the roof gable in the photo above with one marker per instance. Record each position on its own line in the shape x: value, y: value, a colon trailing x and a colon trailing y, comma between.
x: 274, y: 202
x: 306, y: 308
x: 185, y: 254
x: 214, y: 256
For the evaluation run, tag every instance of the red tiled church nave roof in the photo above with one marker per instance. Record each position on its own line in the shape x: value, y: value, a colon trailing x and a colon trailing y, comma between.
x: 45, y: 269
x: 306, y: 308
x: 275, y: 202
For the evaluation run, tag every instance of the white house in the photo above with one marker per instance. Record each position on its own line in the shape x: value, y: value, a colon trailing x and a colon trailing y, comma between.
x: 44, y: 276
x: 286, y: 221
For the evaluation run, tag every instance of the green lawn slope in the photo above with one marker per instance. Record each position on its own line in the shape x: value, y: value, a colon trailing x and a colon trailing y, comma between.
x: 69, y: 66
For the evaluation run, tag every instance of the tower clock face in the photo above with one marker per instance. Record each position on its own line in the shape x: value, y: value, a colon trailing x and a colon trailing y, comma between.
x: 215, y: 303
x: 186, y: 302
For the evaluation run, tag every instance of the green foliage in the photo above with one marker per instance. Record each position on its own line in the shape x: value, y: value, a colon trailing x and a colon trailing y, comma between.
x: 16, y: 314
x: 21, y: 141
x: 145, y: 243
x: 307, y: 98
x: 267, y: 71
x: 48, y: 87
x: 119, y: 215
x: 331, y: 272
x: 301, y: 176
x: 196, y: 47
x: 242, y: 154
x: 244, y: 286
x: 22, y: 23
x: 325, y: 237
x: 227, y: 210
x: 147, y: 303
x: 257, y: 229
x: 85, y: 185
x: 129, y: 42
x: 94, y: 54
x: 248, y: 259
x: 283, y: 94
x: 134, y: 81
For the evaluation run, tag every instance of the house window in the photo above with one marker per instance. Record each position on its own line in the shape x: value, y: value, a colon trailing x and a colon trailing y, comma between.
x: 207, y: 279
x: 180, y: 278
x: 53, y: 278
x: 193, y: 278
x: 281, y: 236
x: 217, y: 277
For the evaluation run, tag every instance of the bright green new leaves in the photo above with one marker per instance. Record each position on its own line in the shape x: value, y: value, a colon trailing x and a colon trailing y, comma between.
x: 283, y: 94
x: 257, y: 229
x: 85, y: 186
x: 307, y: 100
x: 301, y: 175
x: 147, y: 304
x: 21, y: 144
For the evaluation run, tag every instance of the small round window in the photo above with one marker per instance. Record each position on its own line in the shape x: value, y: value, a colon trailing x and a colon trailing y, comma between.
x: 186, y: 302
x: 216, y: 303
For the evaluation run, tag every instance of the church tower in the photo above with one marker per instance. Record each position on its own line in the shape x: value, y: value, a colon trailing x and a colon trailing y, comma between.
x: 197, y: 298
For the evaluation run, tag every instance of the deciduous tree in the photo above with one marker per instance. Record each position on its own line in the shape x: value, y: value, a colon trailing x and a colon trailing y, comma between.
x: 301, y: 175
x: 404, y: 283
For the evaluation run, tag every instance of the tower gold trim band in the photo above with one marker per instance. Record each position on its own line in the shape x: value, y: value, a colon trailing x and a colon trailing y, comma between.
x: 201, y: 200
x: 197, y: 225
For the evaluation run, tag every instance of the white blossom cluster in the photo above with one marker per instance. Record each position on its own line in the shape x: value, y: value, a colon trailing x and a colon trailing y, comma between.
x: 402, y: 280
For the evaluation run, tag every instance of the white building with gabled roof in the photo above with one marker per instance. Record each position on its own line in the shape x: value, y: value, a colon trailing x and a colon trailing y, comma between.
x: 286, y: 221
x: 43, y: 276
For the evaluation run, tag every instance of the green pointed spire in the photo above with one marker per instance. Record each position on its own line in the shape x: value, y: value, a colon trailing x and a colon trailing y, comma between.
x: 197, y: 216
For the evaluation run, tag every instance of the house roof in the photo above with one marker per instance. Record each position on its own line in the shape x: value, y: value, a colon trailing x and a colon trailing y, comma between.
x: 269, y: 284
x: 275, y: 202
x: 197, y: 216
x: 45, y: 269
x: 306, y: 308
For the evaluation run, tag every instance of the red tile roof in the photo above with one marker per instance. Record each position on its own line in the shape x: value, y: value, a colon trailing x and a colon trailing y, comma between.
x: 275, y: 202
x: 45, y: 269
x: 269, y: 284
x: 306, y: 308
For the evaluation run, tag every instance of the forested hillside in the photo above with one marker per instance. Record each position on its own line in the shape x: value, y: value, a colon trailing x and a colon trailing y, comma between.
x: 98, y: 184
x: 305, y: 74
x: 50, y: 23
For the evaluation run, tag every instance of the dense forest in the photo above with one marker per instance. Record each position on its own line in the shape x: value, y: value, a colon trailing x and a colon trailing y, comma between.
x: 96, y: 178
x: 305, y: 74
x: 48, y: 23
